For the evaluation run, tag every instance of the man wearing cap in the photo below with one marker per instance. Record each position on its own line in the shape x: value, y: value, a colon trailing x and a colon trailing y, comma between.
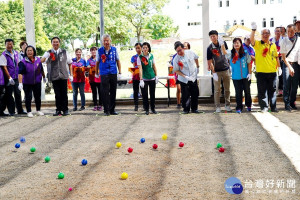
x: 289, y: 47
x: 219, y: 65
x: 267, y: 63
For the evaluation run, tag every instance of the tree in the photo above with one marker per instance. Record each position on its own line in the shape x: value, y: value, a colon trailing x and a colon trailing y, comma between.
x: 138, y: 12
x: 161, y: 26
x: 13, y: 25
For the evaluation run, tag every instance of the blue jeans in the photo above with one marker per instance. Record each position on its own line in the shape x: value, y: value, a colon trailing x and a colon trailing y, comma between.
x: 290, y: 85
x: 75, y: 87
x: 266, y: 87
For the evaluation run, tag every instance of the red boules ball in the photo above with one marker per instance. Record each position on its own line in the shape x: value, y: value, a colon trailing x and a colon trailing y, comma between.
x: 155, y: 146
x: 130, y: 150
x: 181, y: 144
x: 221, y: 149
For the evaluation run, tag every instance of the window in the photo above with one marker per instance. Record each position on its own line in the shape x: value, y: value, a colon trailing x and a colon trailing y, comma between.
x: 295, y: 19
x: 264, y: 1
x: 264, y: 23
x: 227, y: 3
x: 256, y: 2
x: 199, y: 4
x: 187, y: 7
x: 272, y: 1
x: 234, y: 22
x: 272, y: 22
x: 220, y: 3
x: 242, y: 22
x: 279, y: 1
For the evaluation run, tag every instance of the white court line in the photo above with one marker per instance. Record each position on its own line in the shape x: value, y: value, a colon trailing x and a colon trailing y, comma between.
x: 287, y: 140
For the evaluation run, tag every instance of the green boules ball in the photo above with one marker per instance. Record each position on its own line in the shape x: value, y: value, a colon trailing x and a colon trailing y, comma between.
x: 219, y: 145
x: 32, y: 149
x: 47, y: 159
x: 61, y: 175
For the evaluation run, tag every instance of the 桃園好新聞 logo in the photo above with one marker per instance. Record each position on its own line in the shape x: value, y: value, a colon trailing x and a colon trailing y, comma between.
x: 233, y: 186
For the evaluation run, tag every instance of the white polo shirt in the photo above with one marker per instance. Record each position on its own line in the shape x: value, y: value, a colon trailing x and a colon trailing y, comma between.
x: 286, y: 46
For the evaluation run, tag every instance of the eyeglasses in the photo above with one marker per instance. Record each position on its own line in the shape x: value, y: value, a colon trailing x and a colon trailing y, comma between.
x: 265, y: 33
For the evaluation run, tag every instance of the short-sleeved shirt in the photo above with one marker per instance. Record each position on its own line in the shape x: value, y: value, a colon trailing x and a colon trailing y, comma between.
x: 267, y: 63
x: 188, y: 66
x: 286, y: 46
x: 135, y: 76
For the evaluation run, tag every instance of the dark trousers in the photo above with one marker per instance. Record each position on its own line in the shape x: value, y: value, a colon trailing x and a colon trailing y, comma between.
x: 266, y: 86
x: 96, y: 89
x: 2, y: 99
x: 136, y: 89
x: 109, y: 91
x: 240, y: 86
x: 280, y: 78
x: 189, y: 94
x: 12, y: 102
x: 75, y: 87
x: 61, y: 94
x: 151, y: 85
x: 290, y: 84
x: 36, y: 90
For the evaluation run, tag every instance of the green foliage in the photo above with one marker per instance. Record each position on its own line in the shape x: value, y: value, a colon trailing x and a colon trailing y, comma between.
x: 79, y: 19
x: 161, y: 26
x: 138, y: 12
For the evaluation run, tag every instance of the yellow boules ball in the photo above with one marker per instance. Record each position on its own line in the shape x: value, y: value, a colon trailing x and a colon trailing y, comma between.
x: 119, y: 144
x: 124, y: 176
x: 164, y: 137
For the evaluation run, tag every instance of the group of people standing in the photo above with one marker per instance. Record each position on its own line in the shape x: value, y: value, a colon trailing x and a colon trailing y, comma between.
x: 272, y: 56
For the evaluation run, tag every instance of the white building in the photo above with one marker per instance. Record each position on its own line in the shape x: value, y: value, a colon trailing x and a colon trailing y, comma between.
x: 227, y: 13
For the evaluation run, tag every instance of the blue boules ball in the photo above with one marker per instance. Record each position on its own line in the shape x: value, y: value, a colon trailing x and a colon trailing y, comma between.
x: 22, y: 139
x: 143, y: 140
x: 17, y: 145
x: 84, y: 162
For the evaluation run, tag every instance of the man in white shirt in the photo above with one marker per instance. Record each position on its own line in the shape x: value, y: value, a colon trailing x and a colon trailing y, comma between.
x: 186, y: 65
x: 58, y: 67
x: 9, y: 61
x: 289, y: 47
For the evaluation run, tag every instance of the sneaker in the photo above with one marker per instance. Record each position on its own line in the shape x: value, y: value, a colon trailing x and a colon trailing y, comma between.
x: 29, y: 114
x: 228, y: 109
x: 57, y: 113
x: 74, y: 109
x: 39, y: 113
x: 274, y: 110
x: 136, y: 108
x: 249, y: 109
x: 66, y: 113
x: 82, y: 108
x: 218, y: 110
x: 178, y: 106
x: 265, y: 110
x: 238, y: 111
x: 153, y: 112
x: 99, y: 108
x: 95, y: 108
